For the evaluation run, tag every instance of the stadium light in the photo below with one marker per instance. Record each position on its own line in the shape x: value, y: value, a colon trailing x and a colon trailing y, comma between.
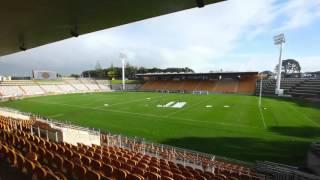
x: 279, y: 40
x: 123, y: 57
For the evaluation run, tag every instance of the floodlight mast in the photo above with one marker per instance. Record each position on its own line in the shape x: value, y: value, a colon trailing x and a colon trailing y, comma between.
x: 123, y: 57
x: 279, y: 40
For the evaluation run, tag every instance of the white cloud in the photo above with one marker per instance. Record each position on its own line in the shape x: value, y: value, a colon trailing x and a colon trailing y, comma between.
x: 299, y: 13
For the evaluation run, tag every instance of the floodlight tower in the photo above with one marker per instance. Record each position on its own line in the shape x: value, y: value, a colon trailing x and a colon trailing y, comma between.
x: 279, y: 40
x: 123, y: 57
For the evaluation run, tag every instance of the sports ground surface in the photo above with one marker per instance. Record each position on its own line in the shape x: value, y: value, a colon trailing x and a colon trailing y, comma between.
x: 233, y: 127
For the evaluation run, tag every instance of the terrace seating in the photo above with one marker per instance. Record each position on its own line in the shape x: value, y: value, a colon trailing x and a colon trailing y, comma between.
x: 309, y: 88
x: 32, y: 90
x: 280, y: 171
x: 226, y: 86
x: 190, y: 85
x: 90, y: 84
x: 168, y: 156
x: 296, y: 87
x: 11, y: 91
x: 159, y: 85
x: 19, y: 88
x: 103, y: 84
x: 206, y: 85
x: 66, y: 88
x: 80, y: 87
x: 247, y: 85
x: 173, y: 85
x: 288, y: 83
x: 51, y: 88
x: 148, y: 85
x: 17, y: 82
x: 38, y: 158
x: 92, y: 87
x: 221, y: 86
x: 268, y: 86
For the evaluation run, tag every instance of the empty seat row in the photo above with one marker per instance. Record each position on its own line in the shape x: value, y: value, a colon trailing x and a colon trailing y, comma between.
x: 242, y: 85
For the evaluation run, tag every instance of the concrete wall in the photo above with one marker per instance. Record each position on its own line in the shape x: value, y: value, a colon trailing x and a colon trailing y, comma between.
x: 128, y: 86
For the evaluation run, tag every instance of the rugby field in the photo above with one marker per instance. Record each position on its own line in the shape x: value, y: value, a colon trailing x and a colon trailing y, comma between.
x: 226, y: 125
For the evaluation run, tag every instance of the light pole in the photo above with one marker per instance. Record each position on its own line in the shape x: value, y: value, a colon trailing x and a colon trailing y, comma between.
x: 123, y: 57
x: 279, y: 40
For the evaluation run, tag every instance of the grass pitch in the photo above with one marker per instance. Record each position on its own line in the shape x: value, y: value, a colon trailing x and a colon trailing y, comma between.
x: 280, y: 131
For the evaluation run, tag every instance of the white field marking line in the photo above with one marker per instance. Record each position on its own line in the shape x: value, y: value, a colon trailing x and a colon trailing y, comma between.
x: 262, y: 117
x: 175, y: 112
x: 146, y: 115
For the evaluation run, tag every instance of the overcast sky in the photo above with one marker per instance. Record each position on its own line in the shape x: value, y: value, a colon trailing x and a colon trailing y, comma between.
x: 235, y: 35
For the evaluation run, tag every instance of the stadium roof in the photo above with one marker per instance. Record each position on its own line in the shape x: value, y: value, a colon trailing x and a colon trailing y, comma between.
x: 198, y: 74
x: 27, y: 24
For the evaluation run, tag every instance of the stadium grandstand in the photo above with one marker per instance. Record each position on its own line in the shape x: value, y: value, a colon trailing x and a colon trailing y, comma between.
x: 237, y: 125
x: 12, y: 89
x: 224, y: 82
x: 295, y: 87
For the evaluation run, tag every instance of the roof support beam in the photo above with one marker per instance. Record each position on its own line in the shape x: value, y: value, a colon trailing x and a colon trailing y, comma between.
x: 200, y: 3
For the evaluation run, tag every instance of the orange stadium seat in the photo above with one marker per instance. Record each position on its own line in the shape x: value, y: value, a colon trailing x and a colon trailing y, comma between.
x: 43, y: 159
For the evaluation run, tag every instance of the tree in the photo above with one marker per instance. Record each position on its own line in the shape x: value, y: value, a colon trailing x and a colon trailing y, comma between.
x: 186, y: 69
x: 130, y: 71
x: 99, y: 70
x: 289, y: 66
x: 112, y: 74
x: 75, y: 75
x: 98, y: 66
x: 142, y: 70
x: 267, y: 73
